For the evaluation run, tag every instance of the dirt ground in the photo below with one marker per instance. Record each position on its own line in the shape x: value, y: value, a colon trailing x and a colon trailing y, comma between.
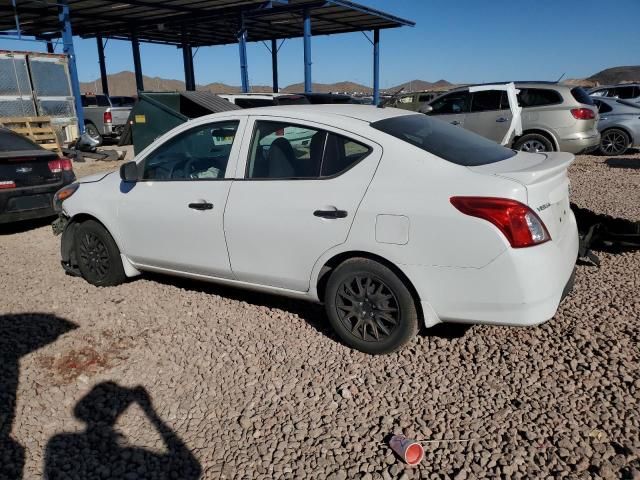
x: 167, y: 378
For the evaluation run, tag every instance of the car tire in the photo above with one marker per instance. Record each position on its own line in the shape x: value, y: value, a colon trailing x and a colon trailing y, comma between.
x: 93, y: 132
x: 363, y: 299
x: 614, y: 142
x: 533, y: 143
x: 98, y: 255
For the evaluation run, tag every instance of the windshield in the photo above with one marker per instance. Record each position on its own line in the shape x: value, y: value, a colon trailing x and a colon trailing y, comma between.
x: 444, y: 140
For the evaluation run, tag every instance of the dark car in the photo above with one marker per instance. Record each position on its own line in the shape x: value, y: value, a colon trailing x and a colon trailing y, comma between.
x: 29, y: 177
x: 327, y: 98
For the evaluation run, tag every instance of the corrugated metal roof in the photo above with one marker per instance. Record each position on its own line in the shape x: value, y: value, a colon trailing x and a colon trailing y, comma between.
x: 199, y: 22
x: 210, y: 101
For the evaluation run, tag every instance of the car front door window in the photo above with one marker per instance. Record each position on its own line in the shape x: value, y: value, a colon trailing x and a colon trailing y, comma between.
x: 201, y: 153
x: 457, y: 102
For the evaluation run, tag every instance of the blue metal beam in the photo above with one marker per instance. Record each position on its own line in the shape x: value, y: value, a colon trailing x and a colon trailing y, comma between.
x: 376, y: 66
x: 67, y: 39
x: 244, y: 70
x: 137, y: 63
x: 103, y: 66
x: 307, y: 51
x: 274, y: 64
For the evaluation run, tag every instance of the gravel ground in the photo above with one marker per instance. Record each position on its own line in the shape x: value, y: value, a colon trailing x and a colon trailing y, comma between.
x: 194, y: 380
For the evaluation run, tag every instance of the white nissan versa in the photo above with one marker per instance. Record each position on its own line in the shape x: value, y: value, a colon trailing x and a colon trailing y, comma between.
x: 388, y: 217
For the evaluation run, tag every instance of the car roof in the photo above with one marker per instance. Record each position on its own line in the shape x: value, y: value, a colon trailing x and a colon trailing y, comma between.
x: 364, y: 113
x: 522, y: 84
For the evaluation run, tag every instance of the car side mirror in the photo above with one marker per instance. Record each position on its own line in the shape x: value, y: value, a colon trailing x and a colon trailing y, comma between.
x: 129, y: 172
x: 426, y: 109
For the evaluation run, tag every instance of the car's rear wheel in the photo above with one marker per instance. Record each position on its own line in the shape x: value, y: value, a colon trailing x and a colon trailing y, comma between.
x: 369, y: 307
x: 98, y: 255
x: 614, y: 142
x: 533, y: 143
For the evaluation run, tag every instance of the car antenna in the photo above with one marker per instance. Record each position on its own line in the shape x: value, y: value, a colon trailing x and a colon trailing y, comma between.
x: 390, y: 99
x: 561, y: 77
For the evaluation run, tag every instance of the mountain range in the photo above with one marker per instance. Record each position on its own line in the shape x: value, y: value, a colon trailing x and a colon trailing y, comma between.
x: 123, y: 83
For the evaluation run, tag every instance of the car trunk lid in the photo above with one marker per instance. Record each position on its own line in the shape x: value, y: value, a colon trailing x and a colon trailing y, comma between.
x: 546, y: 179
x: 119, y: 115
x: 27, y: 168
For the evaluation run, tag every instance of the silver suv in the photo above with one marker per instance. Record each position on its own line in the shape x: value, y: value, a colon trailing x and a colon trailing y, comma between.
x: 627, y: 91
x: 554, y: 117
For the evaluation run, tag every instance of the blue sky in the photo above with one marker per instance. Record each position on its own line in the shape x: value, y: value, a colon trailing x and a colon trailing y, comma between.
x: 458, y: 40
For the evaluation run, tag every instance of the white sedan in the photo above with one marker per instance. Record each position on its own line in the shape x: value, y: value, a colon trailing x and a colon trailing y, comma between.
x: 392, y: 219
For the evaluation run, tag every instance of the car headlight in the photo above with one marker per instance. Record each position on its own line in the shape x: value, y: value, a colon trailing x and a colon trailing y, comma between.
x: 62, y: 194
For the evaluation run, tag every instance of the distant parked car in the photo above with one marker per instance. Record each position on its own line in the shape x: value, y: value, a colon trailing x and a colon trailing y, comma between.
x: 328, y: 98
x: 253, y: 100
x: 554, y: 118
x: 102, y: 119
x: 413, y: 101
x: 29, y: 177
x: 619, y: 125
x: 390, y: 218
x: 627, y: 91
x: 122, y: 101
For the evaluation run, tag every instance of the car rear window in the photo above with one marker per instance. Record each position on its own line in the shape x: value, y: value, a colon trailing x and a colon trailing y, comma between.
x: 581, y: 96
x: 12, y: 142
x: 444, y: 140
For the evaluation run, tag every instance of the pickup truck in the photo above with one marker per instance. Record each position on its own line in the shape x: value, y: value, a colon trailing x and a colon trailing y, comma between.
x: 101, y: 118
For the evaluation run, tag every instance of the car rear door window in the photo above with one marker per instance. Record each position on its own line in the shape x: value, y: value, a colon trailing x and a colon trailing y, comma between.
x: 486, y: 101
x: 538, y: 97
x: 282, y: 150
x: 456, y: 102
x: 444, y: 140
x: 201, y: 153
x: 624, y: 93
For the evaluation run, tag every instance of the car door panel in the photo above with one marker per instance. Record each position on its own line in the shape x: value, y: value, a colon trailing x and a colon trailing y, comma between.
x: 277, y: 229
x: 178, y: 225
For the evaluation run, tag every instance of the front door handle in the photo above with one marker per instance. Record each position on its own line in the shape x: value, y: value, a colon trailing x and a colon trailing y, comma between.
x: 333, y: 213
x: 455, y: 122
x: 201, y: 206
x: 501, y: 120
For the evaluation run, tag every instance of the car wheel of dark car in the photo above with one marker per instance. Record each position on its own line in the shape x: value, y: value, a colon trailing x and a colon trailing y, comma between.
x: 93, y: 132
x: 614, y: 142
x: 533, y: 143
x: 98, y: 255
x: 369, y: 307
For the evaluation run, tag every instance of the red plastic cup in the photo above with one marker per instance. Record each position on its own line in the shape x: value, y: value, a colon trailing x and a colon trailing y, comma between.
x: 410, y: 451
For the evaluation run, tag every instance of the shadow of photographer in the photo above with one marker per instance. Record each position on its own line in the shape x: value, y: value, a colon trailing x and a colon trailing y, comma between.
x: 20, y: 334
x: 100, y: 451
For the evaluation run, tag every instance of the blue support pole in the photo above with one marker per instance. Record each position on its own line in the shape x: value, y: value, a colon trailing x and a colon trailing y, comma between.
x: 67, y: 39
x: 376, y: 66
x: 244, y: 70
x: 274, y: 64
x: 307, y: 51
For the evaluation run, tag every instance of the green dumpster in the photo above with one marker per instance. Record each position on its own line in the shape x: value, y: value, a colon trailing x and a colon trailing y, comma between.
x: 156, y: 113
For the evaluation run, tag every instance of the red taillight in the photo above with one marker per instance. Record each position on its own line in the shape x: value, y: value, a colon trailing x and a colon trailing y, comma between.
x: 107, y: 117
x: 520, y: 224
x: 7, y: 184
x: 583, y: 113
x: 60, y: 164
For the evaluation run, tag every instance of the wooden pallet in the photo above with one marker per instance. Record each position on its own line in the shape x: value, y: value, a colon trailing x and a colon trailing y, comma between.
x: 38, y: 129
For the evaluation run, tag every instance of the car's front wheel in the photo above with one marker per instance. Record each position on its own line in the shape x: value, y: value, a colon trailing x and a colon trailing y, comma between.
x: 98, y: 255
x: 369, y: 307
x: 614, y: 142
x: 93, y: 132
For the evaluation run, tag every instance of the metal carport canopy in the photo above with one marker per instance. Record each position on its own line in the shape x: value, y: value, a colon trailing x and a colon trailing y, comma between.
x: 199, y: 22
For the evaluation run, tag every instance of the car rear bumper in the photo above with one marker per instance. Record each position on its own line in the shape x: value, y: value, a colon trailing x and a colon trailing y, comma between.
x: 28, y: 203
x: 579, y: 142
x: 520, y: 287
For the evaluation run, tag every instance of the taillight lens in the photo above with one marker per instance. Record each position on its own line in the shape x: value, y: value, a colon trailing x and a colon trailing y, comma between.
x: 520, y: 224
x: 583, y: 113
x: 60, y: 164
x: 107, y: 117
x: 7, y: 184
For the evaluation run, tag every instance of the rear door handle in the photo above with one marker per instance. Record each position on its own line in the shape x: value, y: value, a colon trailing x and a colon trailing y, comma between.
x: 455, y: 122
x: 501, y: 120
x: 330, y: 213
x: 201, y: 206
